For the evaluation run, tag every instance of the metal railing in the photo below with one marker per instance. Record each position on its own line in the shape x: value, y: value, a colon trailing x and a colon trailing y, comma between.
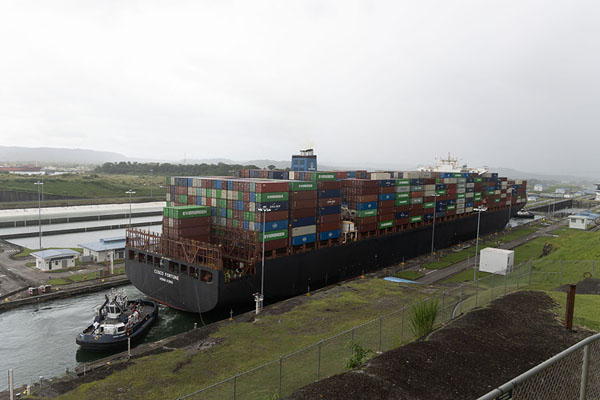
x: 571, y: 374
x: 281, y: 377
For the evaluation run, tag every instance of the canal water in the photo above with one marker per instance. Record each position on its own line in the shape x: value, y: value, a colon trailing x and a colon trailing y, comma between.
x: 39, y: 340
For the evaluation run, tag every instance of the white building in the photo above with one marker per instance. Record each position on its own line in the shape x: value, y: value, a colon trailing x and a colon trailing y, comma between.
x: 579, y: 221
x: 100, y: 251
x: 48, y: 260
x: 539, y: 187
x: 561, y: 191
x: 496, y: 261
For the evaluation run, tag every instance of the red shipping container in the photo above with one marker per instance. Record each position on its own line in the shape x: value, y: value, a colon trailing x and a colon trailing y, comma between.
x: 271, y: 187
x: 416, y: 194
x: 387, y: 189
x: 246, y: 196
x: 367, y: 220
x: 303, y: 203
x: 324, y: 219
x: 416, y: 211
x: 341, y: 174
x: 360, y: 183
x: 302, y: 212
x: 416, y: 206
x: 367, y: 227
x: 427, y: 199
x: 362, y: 199
x: 429, y: 181
x: 385, y: 217
x: 328, y: 226
x: 271, y: 216
x: 385, y: 210
x: 275, y: 244
x: 303, y: 195
x: 335, y: 201
x: 401, y: 208
x: 402, y: 221
x: 386, y: 203
x: 329, y: 185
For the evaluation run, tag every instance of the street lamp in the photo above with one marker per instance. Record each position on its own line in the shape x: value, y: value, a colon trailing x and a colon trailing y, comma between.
x: 433, y: 227
x: 512, y: 191
x: 479, y: 210
x: 261, y: 297
x: 130, y: 192
x: 39, y: 185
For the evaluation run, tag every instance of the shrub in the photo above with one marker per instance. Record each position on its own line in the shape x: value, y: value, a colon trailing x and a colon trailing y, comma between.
x: 422, y: 317
x: 359, y: 356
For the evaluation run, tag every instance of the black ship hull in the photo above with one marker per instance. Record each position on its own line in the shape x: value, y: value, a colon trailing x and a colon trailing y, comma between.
x: 296, y: 274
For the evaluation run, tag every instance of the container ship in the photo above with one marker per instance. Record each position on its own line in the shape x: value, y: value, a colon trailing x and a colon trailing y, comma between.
x: 309, y: 228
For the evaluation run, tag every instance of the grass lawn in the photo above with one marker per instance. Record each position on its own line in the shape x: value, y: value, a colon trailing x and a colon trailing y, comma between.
x: 465, y: 276
x: 411, y: 275
x: 586, y: 309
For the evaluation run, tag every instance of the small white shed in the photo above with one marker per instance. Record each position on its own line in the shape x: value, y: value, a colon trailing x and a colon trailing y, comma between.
x: 48, y: 260
x: 101, y: 250
x: 496, y: 261
x: 579, y: 221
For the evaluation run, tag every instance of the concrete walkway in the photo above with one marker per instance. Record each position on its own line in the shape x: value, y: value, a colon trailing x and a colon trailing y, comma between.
x: 440, y: 274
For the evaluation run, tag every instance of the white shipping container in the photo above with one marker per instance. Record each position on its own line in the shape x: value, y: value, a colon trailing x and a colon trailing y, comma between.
x: 450, y: 180
x: 461, y: 185
x: 402, y: 189
x: 426, y: 174
x: 503, y: 196
x: 470, y: 184
x: 380, y: 175
x: 518, y: 182
x: 428, y: 193
x: 469, y: 195
x: 460, y: 201
x: 304, y: 230
x: 497, y: 192
x: 468, y: 209
x: 429, y: 187
x: 412, y: 175
x: 347, y: 226
x: 461, y: 190
x: 496, y: 261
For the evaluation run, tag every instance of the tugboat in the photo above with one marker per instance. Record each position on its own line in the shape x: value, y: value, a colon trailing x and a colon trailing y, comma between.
x: 117, y: 320
x: 524, y: 214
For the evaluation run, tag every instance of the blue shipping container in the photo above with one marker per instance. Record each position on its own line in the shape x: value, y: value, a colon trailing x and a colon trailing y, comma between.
x: 306, y: 221
x: 387, y: 196
x: 334, y: 234
x: 330, y: 210
x: 366, y: 206
x: 298, y: 240
x: 387, y: 182
x: 402, y: 214
x: 329, y: 194
x: 271, y: 225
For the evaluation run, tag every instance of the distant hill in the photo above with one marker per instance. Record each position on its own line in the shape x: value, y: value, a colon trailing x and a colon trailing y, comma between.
x: 52, y: 155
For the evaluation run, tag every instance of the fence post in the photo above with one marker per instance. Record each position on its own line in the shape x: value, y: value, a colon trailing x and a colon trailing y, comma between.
x: 380, y: 325
x: 319, y: 362
x: 234, y: 386
x: 505, y: 279
x: 584, y: 373
x: 280, y: 369
x: 529, y: 273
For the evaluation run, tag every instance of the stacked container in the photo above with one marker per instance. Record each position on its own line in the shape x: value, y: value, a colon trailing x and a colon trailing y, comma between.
x: 190, y: 222
x: 362, y: 198
x: 303, y: 212
x: 329, y: 197
x: 386, y: 196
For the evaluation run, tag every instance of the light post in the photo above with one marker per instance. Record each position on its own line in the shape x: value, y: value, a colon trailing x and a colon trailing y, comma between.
x: 39, y: 185
x: 261, y: 296
x: 512, y: 190
x: 130, y: 192
x: 479, y: 210
x: 433, y: 227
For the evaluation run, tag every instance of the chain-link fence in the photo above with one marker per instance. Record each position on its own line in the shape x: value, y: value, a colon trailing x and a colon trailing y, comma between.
x: 283, y: 376
x: 572, y: 374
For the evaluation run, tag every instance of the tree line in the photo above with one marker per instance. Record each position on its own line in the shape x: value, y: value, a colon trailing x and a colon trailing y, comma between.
x: 127, y: 167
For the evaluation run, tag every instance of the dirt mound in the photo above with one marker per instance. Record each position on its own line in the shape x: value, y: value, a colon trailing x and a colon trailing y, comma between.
x: 464, y: 360
x: 586, y: 286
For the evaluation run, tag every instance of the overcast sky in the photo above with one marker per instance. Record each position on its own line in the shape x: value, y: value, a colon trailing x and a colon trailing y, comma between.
x: 499, y: 83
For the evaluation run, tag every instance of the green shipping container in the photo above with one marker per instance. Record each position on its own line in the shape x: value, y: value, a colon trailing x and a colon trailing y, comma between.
x: 402, y: 202
x: 386, y: 224
x: 460, y: 195
x: 441, y: 192
x: 323, y: 176
x: 416, y: 218
x: 235, y: 223
x: 457, y: 175
x: 429, y: 204
x: 366, y: 213
x: 209, y: 192
x: 402, y: 182
x: 490, y: 192
x: 417, y: 188
x: 478, y: 179
x: 183, y: 212
x: 166, y: 212
x: 451, y: 207
x: 496, y: 200
x: 277, y: 196
x: 274, y: 235
x: 300, y: 186
x: 416, y: 200
x: 249, y: 216
x: 182, y: 198
x: 402, y: 196
x: 229, y: 213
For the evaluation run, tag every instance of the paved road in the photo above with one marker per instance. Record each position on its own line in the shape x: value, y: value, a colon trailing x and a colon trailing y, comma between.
x: 440, y: 274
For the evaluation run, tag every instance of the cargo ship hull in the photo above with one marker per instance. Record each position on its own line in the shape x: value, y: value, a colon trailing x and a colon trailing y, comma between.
x: 295, y: 274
